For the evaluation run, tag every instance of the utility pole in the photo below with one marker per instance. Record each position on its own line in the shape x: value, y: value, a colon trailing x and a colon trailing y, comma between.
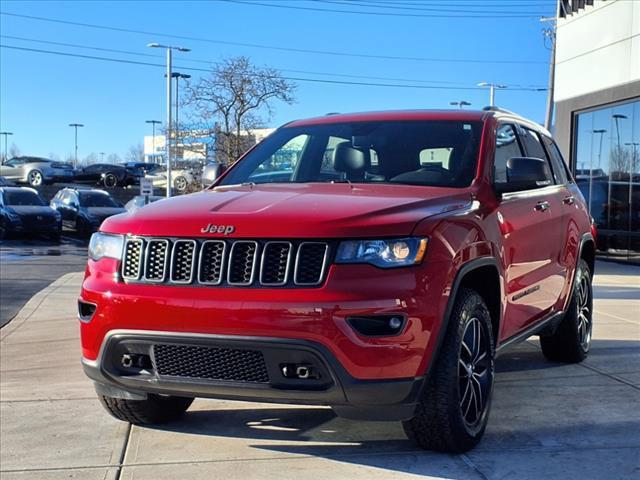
x: 6, y: 134
x: 460, y: 104
x: 153, y: 138
x: 76, y: 126
x: 492, y: 91
x: 169, y: 50
x: 550, y: 33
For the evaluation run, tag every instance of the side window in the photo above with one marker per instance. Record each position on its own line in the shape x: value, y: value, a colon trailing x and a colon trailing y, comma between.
x: 507, y: 146
x: 533, y: 147
x: 560, y: 169
x: 92, y: 169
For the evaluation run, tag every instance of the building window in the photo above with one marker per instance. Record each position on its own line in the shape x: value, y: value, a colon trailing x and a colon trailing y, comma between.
x: 607, y: 170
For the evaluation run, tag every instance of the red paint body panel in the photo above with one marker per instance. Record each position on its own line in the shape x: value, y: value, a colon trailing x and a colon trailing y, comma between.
x: 535, y: 255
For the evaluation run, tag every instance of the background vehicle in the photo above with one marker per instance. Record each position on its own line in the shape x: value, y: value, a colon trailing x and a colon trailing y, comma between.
x: 373, y: 262
x: 139, y: 201
x: 84, y: 210
x: 211, y: 172
x: 105, y: 174
x: 36, y: 171
x: 22, y: 210
x: 185, y: 176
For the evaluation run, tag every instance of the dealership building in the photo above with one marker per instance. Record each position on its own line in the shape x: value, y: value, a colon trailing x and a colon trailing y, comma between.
x: 597, y: 119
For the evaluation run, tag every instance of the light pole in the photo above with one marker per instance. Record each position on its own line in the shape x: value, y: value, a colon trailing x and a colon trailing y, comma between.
x: 169, y: 50
x: 492, y: 90
x: 153, y: 138
x: 76, y: 126
x: 101, y: 157
x: 460, y: 104
x: 601, y: 132
x: 6, y: 134
x: 176, y: 129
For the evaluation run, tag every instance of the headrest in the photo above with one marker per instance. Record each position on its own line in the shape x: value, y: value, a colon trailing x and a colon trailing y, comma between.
x: 350, y: 160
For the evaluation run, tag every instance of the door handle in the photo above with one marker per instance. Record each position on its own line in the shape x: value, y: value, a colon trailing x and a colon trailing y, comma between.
x: 570, y: 200
x: 542, y: 206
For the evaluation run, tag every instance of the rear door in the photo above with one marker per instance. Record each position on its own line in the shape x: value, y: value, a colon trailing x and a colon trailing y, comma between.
x: 530, y: 226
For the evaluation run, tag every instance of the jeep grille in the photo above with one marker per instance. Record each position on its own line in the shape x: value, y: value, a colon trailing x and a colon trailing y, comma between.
x: 233, y: 263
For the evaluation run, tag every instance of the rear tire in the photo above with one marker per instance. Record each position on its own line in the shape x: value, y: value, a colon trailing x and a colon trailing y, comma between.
x: 180, y: 184
x: 571, y: 340
x: 110, y: 180
x: 155, y: 409
x: 35, y: 178
x: 453, y: 411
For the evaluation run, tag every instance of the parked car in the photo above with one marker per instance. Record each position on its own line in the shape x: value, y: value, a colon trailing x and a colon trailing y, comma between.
x: 184, y: 176
x: 36, y: 171
x: 105, y: 174
x: 22, y: 210
x: 83, y: 210
x: 380, y: 279
x: 140, y: 201
x: 211, y: 172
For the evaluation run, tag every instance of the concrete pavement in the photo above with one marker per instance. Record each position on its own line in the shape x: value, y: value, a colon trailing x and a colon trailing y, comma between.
x: 547, y: 421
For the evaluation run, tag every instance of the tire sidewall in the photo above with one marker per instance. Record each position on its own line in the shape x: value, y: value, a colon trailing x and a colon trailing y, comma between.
x: 474, y: 307
x: 581, y: 272
x: 32, y: 172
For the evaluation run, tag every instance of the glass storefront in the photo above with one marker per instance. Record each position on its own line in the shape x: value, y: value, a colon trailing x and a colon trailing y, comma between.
x: 607, y: 170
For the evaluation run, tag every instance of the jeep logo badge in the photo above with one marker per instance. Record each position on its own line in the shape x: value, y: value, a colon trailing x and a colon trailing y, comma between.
x: 226, y: 229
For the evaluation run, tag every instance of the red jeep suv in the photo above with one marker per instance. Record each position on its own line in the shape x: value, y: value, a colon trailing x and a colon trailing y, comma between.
x: 373, y: 262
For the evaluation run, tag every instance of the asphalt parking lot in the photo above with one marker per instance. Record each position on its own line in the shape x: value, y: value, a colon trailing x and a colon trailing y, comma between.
x: 548, y: 420
x: 27, y: 265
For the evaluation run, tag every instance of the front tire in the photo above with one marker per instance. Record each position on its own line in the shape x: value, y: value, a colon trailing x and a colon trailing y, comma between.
x: 110, y: 180
x: 570, y: 342
x: 154, y: 410
x: 180, y: 184
x: 453, y: 411
x: 35, y: 178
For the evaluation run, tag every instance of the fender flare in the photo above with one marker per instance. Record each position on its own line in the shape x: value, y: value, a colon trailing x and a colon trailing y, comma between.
x: 463, y: 271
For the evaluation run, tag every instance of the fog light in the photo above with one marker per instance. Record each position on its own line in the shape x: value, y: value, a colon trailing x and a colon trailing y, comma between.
x: 395, y: 323
x: 377, y: 325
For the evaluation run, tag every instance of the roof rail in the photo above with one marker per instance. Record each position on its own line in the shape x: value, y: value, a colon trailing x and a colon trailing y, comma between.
x: 493, y: 108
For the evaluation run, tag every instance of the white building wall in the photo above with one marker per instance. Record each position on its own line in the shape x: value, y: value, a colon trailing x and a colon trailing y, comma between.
x: 598, y: 48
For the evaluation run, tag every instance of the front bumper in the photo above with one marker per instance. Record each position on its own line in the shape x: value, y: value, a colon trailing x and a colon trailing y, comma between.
x: 331, y: 384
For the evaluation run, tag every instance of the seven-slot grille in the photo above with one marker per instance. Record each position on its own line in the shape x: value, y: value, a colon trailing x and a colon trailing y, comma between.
x: 242, y: 263
x: 213, y: 363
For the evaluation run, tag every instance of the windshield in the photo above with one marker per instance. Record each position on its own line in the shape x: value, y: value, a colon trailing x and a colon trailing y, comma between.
x: 97, y: 200
x: 22, y: 197
x: 430, y: 153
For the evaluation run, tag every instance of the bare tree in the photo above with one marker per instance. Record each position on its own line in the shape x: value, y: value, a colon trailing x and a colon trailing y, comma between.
x: 14, y: 151
x: 91, y: 159
x: 114, y: 158
x: 234, y: 98
x: 54, y: 156
x: 135, y: 153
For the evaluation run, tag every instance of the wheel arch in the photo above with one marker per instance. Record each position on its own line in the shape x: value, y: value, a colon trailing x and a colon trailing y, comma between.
x: 473, y: 274
x: 587, y: 251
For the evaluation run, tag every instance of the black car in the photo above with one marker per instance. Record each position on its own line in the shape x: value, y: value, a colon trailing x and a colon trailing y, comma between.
x: 105, y: 174
x: 22, y: 210
x: 84, y: 210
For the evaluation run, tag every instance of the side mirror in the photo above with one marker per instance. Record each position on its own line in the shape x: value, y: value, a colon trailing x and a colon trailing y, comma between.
x: 525, y: 173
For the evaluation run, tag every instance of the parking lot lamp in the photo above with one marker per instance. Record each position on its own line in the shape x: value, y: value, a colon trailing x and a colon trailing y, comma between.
x: 76, y: 126
x: 6, y: 134
x: 169, y: 50
x: 492, y: 90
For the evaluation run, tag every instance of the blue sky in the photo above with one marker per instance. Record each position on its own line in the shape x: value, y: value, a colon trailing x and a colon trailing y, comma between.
x: 40, y: 94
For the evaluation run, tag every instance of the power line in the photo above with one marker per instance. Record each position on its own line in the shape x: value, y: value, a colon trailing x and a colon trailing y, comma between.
x: 465, y: 3
x: 210, y: 62
x: 271, y: 47
x: 415, y: 8
x: 298, y: 79
x: 383, y: 14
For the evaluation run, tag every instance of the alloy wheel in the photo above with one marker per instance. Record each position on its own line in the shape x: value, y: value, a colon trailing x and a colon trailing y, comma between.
x: 475, y: 375
x: 584, y: 323
x: 35, y: 179
x: 110, y: 180
x: 181, y: 184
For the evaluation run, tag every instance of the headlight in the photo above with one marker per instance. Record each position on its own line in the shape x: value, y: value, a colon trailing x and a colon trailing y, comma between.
x: 383, y: 253
x: 104, y: 245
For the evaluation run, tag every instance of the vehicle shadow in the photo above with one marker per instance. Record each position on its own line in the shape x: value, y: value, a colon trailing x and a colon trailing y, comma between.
x: 535, y: 405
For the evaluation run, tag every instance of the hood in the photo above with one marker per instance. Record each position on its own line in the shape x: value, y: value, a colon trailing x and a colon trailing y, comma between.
x: 292, y: 211
x: 31, y: 210
x: 104, y: 212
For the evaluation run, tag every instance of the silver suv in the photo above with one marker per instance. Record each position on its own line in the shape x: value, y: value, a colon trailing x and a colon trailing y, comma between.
x: 36, y: 171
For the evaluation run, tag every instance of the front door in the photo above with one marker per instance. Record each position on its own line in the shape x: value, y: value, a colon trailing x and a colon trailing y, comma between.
x: 11, y: 169
x: 530, y: 224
